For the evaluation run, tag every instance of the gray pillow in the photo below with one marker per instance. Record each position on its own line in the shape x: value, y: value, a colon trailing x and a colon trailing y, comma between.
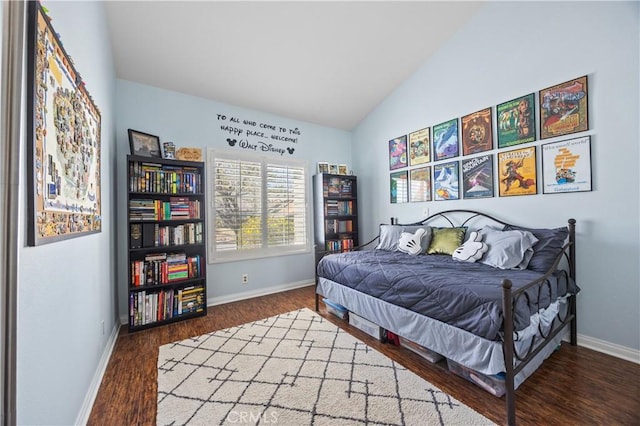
x: 507, y: 249
x: 390, y: 235
x: 548, y: 247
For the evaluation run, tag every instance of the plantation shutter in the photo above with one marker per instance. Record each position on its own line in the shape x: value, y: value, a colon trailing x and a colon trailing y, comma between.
x: 286, y: 205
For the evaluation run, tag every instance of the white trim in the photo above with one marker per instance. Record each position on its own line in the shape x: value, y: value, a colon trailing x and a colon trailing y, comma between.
x: 235, y: 297
x: 92, y: 393
x: 609, y: 348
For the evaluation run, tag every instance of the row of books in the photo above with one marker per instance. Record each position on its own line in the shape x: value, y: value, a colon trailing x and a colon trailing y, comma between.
x: 175, y: 209
x: 148, y: 307
x: 339, y: 226
x: 338, y: 187
x: 163, y: 268
x: 344, y: 244
x: 338, y: 208
x: 151, y: 177
x: 156, y: 235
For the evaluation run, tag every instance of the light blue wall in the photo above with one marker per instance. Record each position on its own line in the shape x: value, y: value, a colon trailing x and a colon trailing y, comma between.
x: 190, y: 121
x: 512, y: 49
x: 65, y: 289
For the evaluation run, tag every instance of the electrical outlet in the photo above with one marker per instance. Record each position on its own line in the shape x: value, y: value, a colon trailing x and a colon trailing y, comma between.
x: 245, y: 278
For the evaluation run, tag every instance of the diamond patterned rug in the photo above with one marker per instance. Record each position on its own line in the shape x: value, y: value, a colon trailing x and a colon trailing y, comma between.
x: 295, y: 369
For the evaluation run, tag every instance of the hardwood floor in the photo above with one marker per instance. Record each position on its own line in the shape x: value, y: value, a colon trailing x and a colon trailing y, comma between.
x: 575, y: 386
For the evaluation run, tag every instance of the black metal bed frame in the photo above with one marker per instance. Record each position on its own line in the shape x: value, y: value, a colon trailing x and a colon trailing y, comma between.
x: 513, y: 360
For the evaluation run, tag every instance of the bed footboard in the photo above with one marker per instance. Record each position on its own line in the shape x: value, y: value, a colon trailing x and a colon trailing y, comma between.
x: 514, y: 362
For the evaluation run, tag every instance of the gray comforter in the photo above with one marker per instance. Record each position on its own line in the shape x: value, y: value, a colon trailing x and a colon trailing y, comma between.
x: 465, y: 295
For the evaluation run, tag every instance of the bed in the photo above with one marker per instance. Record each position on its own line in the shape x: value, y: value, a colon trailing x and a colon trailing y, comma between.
x: 498, y: 305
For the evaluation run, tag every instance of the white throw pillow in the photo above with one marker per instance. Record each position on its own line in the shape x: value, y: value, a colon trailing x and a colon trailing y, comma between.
x: 410, y: 243
x: 507, y: 249
x: 472, y: 250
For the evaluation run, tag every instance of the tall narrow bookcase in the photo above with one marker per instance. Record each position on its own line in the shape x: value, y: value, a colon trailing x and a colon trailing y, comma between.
x: 336, y: 212
x: 167, y: 241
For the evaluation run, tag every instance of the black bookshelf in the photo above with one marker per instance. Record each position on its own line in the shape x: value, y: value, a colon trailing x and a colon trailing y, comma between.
x: 166, y: 212
x: 335, y: 211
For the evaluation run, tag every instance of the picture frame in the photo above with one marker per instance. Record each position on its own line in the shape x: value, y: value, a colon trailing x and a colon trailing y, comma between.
x: 446, y: 140
x: 333, y: 169
x: 477, y: 177
x: 420, y: 184
x: 63, y: 140
x: 566, y: 166
x: 398, y: 152
x: 169, y: 149
x: 446, y: 181
x: 477, y: 132
x: 419, y: 147
x: 323, y: 167
x: 399, y: 187
x: 564, y: 108
x: 516, y: 121
x: 518, y: 172
x: 342, y: 169
x: 144, y: 144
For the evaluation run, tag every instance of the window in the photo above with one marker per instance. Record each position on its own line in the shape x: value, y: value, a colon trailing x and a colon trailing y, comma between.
x: 259, y: 206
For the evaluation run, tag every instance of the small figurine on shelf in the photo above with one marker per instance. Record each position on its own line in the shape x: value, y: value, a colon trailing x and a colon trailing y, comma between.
x: 169, y: 150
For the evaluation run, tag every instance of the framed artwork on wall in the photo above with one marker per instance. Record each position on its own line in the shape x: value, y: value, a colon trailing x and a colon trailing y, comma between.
x: 398, y: 152
x: 399, y: 184
x: 518, y: 175
x: 446, y: 181
x: 566, y: 166
x: 516, y: 121
x: 323, y: 167
x: 445, y: 140
x: 477, y: 177
x: 420, y: 184
x: 477, y: 132
x: 63, y: 141
x: 564, y: 108
x: 419, y: 147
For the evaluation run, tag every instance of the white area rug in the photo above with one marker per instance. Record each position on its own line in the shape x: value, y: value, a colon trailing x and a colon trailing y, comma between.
x: 295, y: 369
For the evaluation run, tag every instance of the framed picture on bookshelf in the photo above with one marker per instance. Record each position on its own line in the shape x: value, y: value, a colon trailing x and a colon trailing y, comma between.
x: 445, y: 140
x: 419, y: 147
x: 323, y: 167
x: 477, y: 177
x: 342, y: 169
x: 566, y: 166
x: 477, y: 132
x: 420, y: 184
x: 517, y: 170
x: 333, y: 169
x: 144, y: 144
x: 516, y: 121
x: 398, y: 152
x: 399, y: 187
x: 564, y: 108
x: 446, y: 181
x: 64, y: 199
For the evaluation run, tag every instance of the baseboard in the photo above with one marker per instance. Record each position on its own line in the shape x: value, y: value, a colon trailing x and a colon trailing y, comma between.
x: 257, y: 293
x: 87, y: 405
x: 609, y: 348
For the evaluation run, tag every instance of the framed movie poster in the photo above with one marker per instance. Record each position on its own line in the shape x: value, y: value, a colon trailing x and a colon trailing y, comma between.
x: 563, y: 108
x: 477, y: 132
x: 516, y: 121
x: 420, y: 184
x: 446, y: 181
x: 399, y: 187
x: 398, y: 152
x: 566, y: 166
x: 419, y: 146
x: 63, y: 141
x: 517, y: 170
x: 477, y: 177
x: 445, y: 140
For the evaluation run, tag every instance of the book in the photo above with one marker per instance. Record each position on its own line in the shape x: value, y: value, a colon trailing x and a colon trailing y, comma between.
x: 135, y: 236
x: 148, y: 235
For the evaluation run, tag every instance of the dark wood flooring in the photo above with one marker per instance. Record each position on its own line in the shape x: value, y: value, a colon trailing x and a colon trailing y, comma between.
x: 575, y: 386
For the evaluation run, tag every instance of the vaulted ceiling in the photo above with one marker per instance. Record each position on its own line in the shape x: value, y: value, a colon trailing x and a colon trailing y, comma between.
x: 324, y: 62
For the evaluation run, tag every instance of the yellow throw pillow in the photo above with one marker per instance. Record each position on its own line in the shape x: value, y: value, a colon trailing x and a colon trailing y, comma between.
x: 446, y: 240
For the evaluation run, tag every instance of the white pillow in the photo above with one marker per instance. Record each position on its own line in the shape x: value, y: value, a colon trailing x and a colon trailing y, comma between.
x: 472, y: 250
x: 390, y: 235
x: 410, y: 243
x: 507, y: 249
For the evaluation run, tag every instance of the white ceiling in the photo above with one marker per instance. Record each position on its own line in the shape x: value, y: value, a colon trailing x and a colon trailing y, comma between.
x: 328, y: 63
